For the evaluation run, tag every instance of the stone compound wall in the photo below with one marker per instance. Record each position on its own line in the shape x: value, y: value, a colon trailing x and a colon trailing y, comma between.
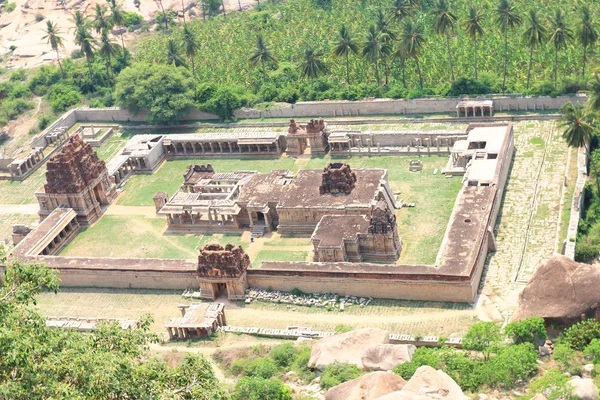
x: 577, y: 204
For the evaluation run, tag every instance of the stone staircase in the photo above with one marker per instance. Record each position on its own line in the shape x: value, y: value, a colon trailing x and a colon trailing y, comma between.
x: 258, y: 231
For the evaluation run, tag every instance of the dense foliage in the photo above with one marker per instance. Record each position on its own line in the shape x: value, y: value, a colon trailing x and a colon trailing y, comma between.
x: 38, y: 362
x: 337, y: 373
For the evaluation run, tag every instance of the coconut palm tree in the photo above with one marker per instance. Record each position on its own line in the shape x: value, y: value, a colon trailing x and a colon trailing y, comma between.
x: 117, y: 18
x: 345, y: 45
x: 262, y: 54
x: 312, y: 66
x: 507, y: 18
x: 560, y: 35
x: 534, y: 35
x: 87, y: 44
x: 371, y: 49
x: 54, y: 40
x: 593, y: 103
x: 587, y: 34
x: 473, y: 28
x: 173, y: 54
x: 79, y: 19
x: 401, y: 9
x: 382, y: 21
x: 578, y: 132
x: 412, y: 39
x: 444, y: 23
x: 101, y: 20
x: 107, y: 49
x: 190, y: 45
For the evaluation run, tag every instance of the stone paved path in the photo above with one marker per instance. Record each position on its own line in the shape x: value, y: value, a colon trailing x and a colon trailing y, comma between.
x: 526, y: 232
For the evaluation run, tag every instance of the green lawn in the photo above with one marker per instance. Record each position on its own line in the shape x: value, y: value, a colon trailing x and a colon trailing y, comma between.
x: 276, y: 255
x: 139, y: 189
x: 112, y: 146
x: 23, y: 192
x: 140, y: 237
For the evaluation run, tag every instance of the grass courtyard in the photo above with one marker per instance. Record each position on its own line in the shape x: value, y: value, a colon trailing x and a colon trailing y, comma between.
x: 140, y: 233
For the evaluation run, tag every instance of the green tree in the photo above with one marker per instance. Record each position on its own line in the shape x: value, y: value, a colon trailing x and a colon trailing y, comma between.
x: 101, y: 21
x: 337, y: 373
x: 55, y: 41
x: 412, y: 39
x: 166, y: 92
x: 87, y: 44
x: 174, y: 55
x: 312, y: 65
x: 371, y: 49
x: 383, y: 25
x: 534, y: 36
x: 159, y: 3
x: 444, y: 24
x: 527, y: 330
x: 190, y: 45
x: 473, y: 28
x: 560, y: 36
x: 262, y: 54
x: 107, y: 49
x: 512, y: 364
x: 484, y: 337
x: 587, y: 34
x: 578, y: 132
x: 507, y: 18
x: 344, y: 46
x: 401, y: 9
x: 117, y: 18
x: 224, y: 101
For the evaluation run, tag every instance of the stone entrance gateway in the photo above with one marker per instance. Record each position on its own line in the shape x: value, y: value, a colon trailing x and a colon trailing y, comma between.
x: 222, y: 271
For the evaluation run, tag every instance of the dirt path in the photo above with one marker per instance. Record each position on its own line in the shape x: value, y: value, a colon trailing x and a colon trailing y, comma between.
x: 28, y: 209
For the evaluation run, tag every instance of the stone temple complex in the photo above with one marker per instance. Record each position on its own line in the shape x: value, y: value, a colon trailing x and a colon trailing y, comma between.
x: 348, y: 213
x: 76, y: 178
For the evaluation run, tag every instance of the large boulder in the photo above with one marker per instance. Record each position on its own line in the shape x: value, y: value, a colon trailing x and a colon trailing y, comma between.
x: 560, y: 289
x: 583, y: 389
x: 384, y: 357
x: 428, y: 384
x: 366, y: 387
x: 346, y: 347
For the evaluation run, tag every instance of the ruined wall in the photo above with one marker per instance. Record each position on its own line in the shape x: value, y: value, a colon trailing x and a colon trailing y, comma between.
x: 128, y: 279
x: 116, y: 114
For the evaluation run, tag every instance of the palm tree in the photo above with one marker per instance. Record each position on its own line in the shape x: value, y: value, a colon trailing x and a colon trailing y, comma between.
x: 412, y: 39
x: 190, y: 45
x: 173, y: 55
x: 444, y: 21
x: 578, y: 132
x: 79, y: 19
x: 400, y: 54
x: 312, y: 65
x: 117, y: 18
x: 344, y: 46
x: 383, y: 25
x: 160, y: 4
x: 372, y: 48
x: 54, y: 40
x: 262, y: 54
x: 401, y: 9
x: 473, y: 28
x: 107, y: 50
x: 534, y: 35
x: 587, y: 35
x: 101, y: 20
x: 508, y: 18
x: 593, y: 103
x: 87, y: 44
x: 560, y: 35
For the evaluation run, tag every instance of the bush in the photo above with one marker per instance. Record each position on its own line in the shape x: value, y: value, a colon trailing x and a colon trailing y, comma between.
x: 484, y: 337
x: 552, y: 384
x: 342, y: 328
x: 10, y: 7
x: 592, y: 350
x: 566, y: 357
x: 252, y: 388
x: 63, y: 96
x: 581, y: 334
x: 526, y: 330
x: 39, y: 17
x: 337, y: 373
x: 45, y: 77
x: 44, y: 121
x: 262, y: 368
x: 18, y: 75
x: 132, y: 18
x: 585, y: 252
x: 11, y: 109
x: 17, y: 91
x: 463, y: 86
x: 283, y: 355
x: 224, y: 101
x: 510, y: 367
x: 300, y: 364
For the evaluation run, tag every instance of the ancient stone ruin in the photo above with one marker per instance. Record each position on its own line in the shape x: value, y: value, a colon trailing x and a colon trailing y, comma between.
x: 382, y: 220
x: 221, y: 268
x: 78, y: 179
x: 337, y: 178
x: 315, y: 126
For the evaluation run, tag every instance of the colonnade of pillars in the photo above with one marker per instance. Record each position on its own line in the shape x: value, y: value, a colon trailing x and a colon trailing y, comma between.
x: 57, y: 242
x: 474, y: 110
x: 32, y: 160
x: 190, y: 218
x: 193, y: 148
x: 57, y: 135
x: 132, y: 163
x: 417, y: 143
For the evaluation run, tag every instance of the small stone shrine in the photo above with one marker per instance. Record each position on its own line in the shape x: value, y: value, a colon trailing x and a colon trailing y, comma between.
x: 222, y: 269
x: 76, y: 178
x: 313, y: 135
x: 337, y: 178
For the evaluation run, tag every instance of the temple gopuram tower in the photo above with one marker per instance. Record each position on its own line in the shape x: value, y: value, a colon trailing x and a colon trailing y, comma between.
x: 76, y: 178
x: 222, y: 269
x: 313, y: 135
x: 382, y: 242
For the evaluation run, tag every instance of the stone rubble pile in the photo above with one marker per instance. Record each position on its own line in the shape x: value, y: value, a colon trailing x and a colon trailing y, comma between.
x: 318, y: 300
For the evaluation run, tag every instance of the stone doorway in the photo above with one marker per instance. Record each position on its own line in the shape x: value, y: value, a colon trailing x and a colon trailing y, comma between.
x: 219, y: 289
